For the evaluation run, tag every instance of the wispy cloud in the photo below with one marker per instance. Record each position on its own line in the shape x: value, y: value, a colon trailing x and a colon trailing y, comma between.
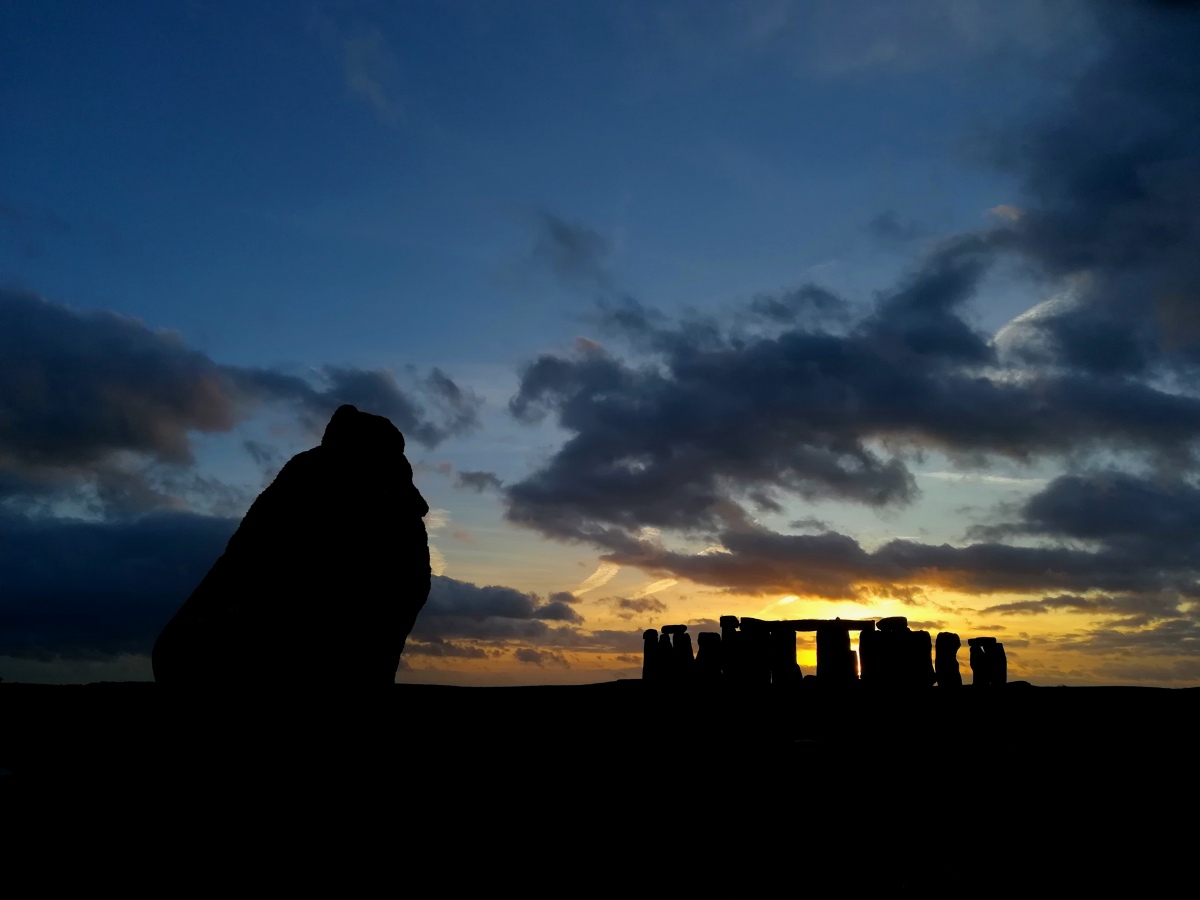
x: 654, y: 587
x: 602, y: 576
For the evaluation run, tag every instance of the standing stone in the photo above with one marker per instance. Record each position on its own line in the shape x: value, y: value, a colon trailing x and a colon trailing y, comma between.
x: 998, y: 664
x: 868, y: 654
x: 666, y: 659
x: 650, y: 670
x: 708, y: 657
x: 979, y: 671
x: 731, y: 650
x: 681, y: 648
x: 756, y: 651
x: 946, y: 654
x: 836, y: 663
x: 329, y: 568
x: 918, y: 662
x: 983, y: 661
x: 784, y: 668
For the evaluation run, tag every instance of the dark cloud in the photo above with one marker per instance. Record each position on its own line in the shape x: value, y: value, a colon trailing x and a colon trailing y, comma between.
x: 541, y: 657
x: 439, y: 647
x: 432, y: 408
x: 576, y: 254
x: 449, y: 597
x: 1112, y: 200
x: 95, y: 589
x: 698, y: 425
x: 478, y: 481
x: 809, y: 305
x: 1175, y: 637
x: 1116, y: 508
x: 76, y: 388
x: 809, y: 523
x: 687, y: 443
x: 98, y: 402
x: 563, y: 597
x: 887, y: 226
x: 836, y: 566
x: 930, y: 625
x: 1133, y: 610
x: 626, y: 608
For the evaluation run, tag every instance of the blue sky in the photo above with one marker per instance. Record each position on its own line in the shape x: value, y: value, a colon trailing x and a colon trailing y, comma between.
x: 320, y: 188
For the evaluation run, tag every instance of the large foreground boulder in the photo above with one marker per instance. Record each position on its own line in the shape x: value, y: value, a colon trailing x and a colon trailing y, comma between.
x: 323, y: 578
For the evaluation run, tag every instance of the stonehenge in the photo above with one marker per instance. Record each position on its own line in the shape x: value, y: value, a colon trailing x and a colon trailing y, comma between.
x: 750, y: 651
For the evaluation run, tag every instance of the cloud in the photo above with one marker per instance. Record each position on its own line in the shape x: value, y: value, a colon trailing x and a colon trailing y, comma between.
x: 577, y: 255
x: 604, y: 573
x: 1135, y: 610
x: 654, y: 587
x: 641, y: 607
x: 99, y: 589
x: 371, y: 69
x: 696, y: 427
x: 887, y: 227
x: 716, y: 422
x: 541, y: 657
x: 99, y: 401
x: 441, y: 648
x: 1111, y: 198
x: 429, y: 409
x: 478, y: 481
x: 449, y: 597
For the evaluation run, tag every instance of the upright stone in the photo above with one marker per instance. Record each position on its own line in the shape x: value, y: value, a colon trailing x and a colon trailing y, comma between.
x: 650, y: 670
x: 998, y: 664
x: 946, y: 659
x: 756, y: 651
x: 681, y: 647
x: 835, y: 660
x: 868, y: 659
x: 918, y: 661
x: 784, y: 668
x: 666, y: 659
x: 708, y: 657
x: 329, y: 566
x: 731, y: 650
x: 983, y: 661
x: 979, y: 665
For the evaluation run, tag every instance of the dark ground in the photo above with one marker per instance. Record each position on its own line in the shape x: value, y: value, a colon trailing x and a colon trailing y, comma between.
x: 983, y: 779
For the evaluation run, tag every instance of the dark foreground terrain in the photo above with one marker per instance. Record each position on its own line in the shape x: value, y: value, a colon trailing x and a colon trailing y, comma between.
x: 441, y: 736
x: 1015, y: 786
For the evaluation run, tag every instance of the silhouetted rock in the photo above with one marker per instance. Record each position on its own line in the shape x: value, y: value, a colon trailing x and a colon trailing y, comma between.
x: 989, y: 662
x: 666, y: 658
x: 674, y: 629
x: 868, y: 655
x: 708, y: 657
x: 918, y: 660
x: 731, y: 650
x: 946, y: 659
x: 650, y: 667
x: 892, y: 623
x: 836, y: 662
x: 756, y: 650
x: 784, y: 668
x: 997, y: 664
x: 328, y: 569
x: 681, y: 648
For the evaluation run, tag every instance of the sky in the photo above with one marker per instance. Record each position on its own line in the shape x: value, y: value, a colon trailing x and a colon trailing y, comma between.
x: 769, y: 308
